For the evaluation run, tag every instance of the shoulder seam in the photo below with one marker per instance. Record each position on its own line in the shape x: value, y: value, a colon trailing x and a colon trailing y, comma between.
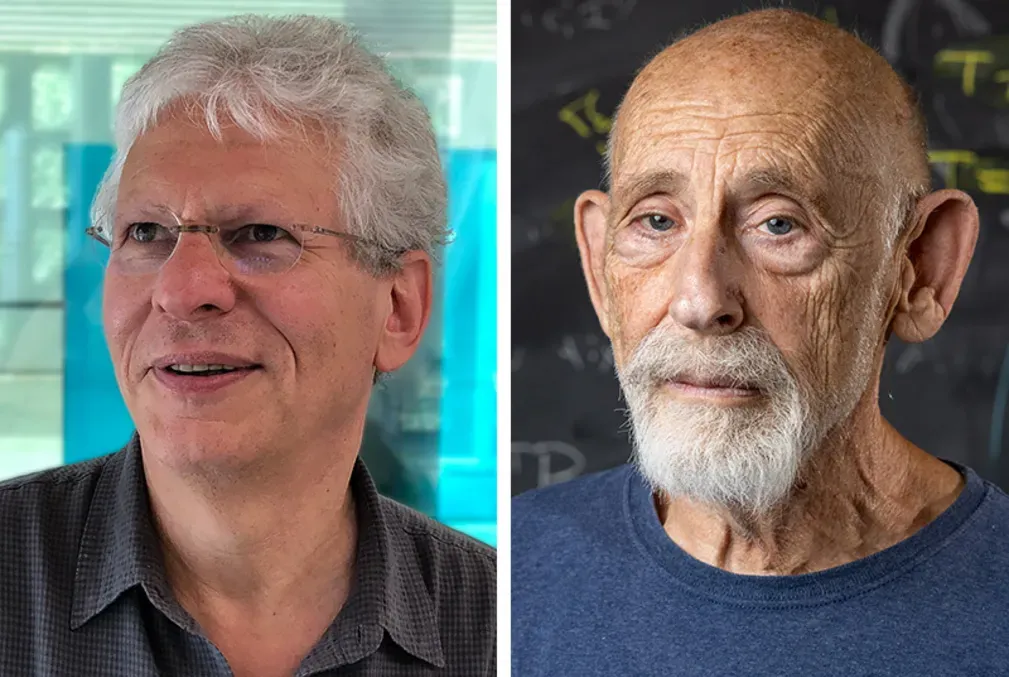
x: 51, y: 481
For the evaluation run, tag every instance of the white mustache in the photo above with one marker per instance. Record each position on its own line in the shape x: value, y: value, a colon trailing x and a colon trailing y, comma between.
x: 744, y: 359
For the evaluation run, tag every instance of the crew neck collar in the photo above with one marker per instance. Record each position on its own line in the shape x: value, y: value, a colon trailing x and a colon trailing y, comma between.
x: 802, y: 589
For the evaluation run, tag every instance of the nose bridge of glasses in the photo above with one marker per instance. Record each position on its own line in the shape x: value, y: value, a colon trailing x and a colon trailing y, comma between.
x: 213, y: 234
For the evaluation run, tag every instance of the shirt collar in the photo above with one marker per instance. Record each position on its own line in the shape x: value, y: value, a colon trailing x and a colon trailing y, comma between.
x: 119, y: 550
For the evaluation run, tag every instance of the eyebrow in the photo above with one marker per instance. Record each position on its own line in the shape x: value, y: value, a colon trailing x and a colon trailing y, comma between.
x: 754, y: 184
x: 221, y: 215
x: 626, y: 194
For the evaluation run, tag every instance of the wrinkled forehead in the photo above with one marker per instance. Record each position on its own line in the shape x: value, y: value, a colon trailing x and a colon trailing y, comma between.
x: 755, y: 132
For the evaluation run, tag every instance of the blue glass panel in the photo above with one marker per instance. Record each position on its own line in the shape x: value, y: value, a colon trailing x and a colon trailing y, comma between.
x: 95, y: 420
x: 467, y: 479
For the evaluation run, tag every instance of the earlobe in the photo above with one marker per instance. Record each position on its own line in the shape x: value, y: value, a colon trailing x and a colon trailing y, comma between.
x: 409, y: 310
x: 942, y: 243
x: 591, y: 220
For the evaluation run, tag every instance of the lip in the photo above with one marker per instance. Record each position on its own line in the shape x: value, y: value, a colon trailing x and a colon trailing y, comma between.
x: 710, y: 390
x: 183, y: 384
x: 202, y: 357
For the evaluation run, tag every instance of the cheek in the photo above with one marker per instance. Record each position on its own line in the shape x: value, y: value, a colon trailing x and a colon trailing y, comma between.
x: 638, y: 302
x: 330, y: 325
x: 821, y: 325
x: 124, y: 308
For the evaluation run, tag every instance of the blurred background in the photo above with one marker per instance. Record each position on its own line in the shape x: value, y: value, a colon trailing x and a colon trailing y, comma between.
x: 431, y: 434
x: 572, y: 61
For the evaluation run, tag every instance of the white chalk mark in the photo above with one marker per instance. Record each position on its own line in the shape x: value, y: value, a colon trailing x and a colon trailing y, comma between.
x: 908, y: 359
x: 569, y: 353
x: 545, y: 453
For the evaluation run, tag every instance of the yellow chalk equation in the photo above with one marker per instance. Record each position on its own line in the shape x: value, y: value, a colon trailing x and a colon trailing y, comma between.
x: 968, y: 59
x: 583, y: 116
x: 968, y: 171
x: 980, y: 68
x: 1002, y: 77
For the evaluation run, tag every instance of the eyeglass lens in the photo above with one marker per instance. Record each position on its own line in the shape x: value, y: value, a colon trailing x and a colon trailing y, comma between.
x: 251, y: 249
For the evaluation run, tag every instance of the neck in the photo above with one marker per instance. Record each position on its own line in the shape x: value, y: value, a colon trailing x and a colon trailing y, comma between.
x: 865, y: 489
x: 260, y: 543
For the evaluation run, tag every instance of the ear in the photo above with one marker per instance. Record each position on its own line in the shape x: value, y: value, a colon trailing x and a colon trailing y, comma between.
x: 942, y: 240
x: 591, y: 217
x: 409, y: 312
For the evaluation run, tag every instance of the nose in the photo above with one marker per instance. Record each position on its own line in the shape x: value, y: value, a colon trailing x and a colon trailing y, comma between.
x: 706, y: 297
x: 193, y: 283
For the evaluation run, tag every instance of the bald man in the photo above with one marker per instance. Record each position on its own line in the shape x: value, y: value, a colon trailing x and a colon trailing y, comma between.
x: 769, y: 225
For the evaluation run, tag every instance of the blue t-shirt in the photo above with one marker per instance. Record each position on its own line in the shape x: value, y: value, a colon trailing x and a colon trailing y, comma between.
x: 598, y: 588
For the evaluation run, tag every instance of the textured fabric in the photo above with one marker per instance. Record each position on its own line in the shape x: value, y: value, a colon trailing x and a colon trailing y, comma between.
x: 598, y: 588
x: 83, y: 589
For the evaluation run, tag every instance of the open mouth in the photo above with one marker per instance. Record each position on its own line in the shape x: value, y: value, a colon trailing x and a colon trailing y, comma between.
x: 204, y: 370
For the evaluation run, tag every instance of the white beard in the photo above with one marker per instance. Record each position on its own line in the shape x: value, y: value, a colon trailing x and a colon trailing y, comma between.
x: 743, y: 456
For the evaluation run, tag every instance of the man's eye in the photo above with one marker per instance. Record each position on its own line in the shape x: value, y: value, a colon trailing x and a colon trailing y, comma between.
x: 144, y: 231
x: 777, y: 226
x: 260, y: 232
x: 658, y: 222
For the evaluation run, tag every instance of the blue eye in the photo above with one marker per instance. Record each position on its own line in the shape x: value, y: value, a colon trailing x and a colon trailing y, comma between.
x: 658, y: 222
x: 778, y: 226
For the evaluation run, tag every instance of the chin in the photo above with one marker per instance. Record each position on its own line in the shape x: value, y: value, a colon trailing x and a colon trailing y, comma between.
x: 191, y: 445
x: 742, y: 458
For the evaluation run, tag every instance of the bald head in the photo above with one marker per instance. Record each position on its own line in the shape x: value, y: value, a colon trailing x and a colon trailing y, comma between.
x: 860, y: 119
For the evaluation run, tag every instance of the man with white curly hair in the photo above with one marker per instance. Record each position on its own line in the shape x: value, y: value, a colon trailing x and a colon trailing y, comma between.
x: 769, y: 224
x: 271, y: 214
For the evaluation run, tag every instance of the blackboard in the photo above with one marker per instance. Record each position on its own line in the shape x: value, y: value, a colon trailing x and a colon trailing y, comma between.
x: 571, y: 63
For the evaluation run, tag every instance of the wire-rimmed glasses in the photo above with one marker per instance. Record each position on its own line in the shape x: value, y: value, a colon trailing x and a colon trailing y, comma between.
x: 248, y: 249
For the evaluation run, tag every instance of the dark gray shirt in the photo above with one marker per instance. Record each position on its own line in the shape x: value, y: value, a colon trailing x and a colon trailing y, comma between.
x: 83, y: 589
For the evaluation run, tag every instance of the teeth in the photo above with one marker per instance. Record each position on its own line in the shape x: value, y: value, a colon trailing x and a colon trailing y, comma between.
x: 189, y: 368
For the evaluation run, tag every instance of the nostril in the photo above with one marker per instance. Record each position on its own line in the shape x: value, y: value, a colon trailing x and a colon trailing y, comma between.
x: 725, y: 320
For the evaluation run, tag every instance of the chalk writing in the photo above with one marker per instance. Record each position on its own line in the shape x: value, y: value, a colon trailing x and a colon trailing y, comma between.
x: 586, y: 350
x: 980, y: 68
x: 909, y: 358
x: 969, y: 60
x: 568, y: 17
x: 555, y: 461
x: 1002, y: 77
x: 971, y: 172
x: 903, y: 20
x: 583, y: 116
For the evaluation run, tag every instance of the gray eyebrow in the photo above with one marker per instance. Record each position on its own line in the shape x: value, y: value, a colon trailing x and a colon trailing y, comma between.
x: 629, y: 192
x: 221, y: 215
x: 754, y: 183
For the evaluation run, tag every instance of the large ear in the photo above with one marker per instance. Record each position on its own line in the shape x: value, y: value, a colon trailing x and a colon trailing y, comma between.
x: 591, y: 217
x: 942, y: 240
x: 409, y: 312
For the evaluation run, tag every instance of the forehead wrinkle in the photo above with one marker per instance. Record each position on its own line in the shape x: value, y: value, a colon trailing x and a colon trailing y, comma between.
x: 775, y: 172
x: 669, y: 132
x: 211, y: 213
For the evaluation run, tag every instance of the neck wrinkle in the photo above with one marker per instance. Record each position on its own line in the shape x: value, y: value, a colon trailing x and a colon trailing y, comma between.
x: 864, y: 489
